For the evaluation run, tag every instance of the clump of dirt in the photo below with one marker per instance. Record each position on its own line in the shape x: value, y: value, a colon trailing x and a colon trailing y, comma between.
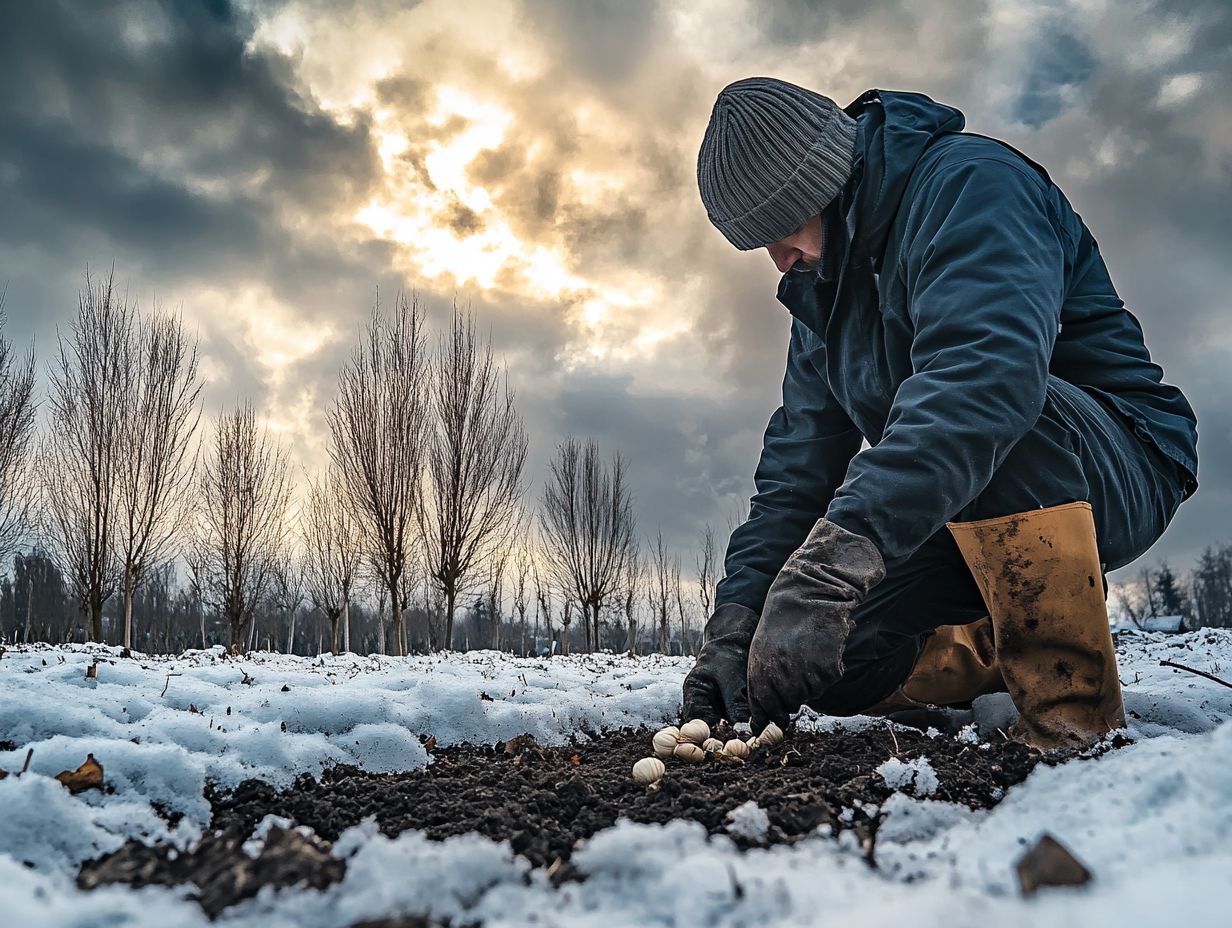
x: 545, y: 800
x: 223, y: 871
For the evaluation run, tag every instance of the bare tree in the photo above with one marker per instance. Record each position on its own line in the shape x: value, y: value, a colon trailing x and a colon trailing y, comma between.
x: 662, y: 588
x: 707, y: 559
x: 632, y: 583
x: 522, y: 556
x: 543, y: 602
x: 159, y: 410
x: 377, y: 436
x: 331, y: 553
x: 588, y: 528
x: 80, y: 459
x: 245, y: 492
x: 288, y: 578
x: 476, y: 456
x: 16, y: 437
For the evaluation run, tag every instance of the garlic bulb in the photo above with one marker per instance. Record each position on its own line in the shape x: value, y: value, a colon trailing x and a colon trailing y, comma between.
x: 665, y: 741
x: 690, y: 753
x: 712, y: 744
x: 770, y: 735
x: 696, y: 731
x: 736, y: 748
x: 648, y: 770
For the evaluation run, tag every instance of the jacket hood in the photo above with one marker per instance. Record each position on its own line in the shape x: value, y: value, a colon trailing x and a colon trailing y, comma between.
x: 892, y: 130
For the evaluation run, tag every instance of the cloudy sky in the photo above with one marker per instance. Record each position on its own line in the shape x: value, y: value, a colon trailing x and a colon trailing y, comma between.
x: 268, y: 167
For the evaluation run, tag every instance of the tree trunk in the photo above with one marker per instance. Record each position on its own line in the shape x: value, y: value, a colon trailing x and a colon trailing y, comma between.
x: 346, y: 624
x: 128, y: 610
x: 395, y: 617
x: 451, y: 596
x: 96, y: 621
x: 380, y: 629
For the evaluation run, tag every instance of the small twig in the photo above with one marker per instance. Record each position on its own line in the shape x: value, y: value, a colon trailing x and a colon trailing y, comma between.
x: 1201, y: 673
x: 890, y: 726
x: 170, y: 674
x: 26, y: 765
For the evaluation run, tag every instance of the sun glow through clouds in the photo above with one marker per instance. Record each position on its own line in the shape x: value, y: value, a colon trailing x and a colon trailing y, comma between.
x: 482, y: 250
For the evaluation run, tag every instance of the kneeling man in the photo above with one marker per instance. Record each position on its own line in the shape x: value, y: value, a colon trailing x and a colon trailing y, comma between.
x: 951, y: 309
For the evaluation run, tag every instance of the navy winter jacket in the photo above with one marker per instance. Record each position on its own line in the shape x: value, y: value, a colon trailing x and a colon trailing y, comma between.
x: 956, y: 280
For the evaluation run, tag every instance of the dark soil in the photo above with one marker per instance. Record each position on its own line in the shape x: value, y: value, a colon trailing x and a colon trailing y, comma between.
x: 544, y: 800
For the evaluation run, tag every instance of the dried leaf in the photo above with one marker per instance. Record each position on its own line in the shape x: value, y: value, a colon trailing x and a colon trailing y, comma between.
x: 577, y: 759
x: 486, y: 698
x: 88, y: 776
x: 92, y: 672
x: 194, y: 710
x: 1050, y: 863
x: 430, y: 743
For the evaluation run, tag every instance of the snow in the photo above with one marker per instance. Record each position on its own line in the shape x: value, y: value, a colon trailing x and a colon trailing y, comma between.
x: 915, y: 776
x: 749, y: 821
x: 1152, y: 820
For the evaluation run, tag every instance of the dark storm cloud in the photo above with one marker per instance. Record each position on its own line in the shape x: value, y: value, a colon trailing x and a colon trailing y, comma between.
x: 148, y: 124
x: 1061, y: 62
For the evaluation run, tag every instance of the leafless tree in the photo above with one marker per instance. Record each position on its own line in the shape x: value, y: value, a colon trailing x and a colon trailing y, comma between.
x: 245, y: 492
x: 159, y: 413
x: 16, y: 437
x: 288, y: 579
x: 632, y: 584
x: 587, y: 527
x: 80, y: 459
x: 543, y: 601
x: 331, y: 553
x: 707, y: 559
x: 377, y: 438
x: 476, y: 457
x: 662, y: 588
x: 522, y: 555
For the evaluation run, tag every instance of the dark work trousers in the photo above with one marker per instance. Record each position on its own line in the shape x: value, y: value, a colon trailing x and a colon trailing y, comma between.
x: 1079, y: 449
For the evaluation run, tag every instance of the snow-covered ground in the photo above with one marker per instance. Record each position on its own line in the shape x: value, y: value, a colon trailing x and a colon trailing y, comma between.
x: 1153, y: 820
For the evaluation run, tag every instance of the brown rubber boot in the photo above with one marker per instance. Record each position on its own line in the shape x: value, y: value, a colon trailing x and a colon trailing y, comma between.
x: 1039, y: 574
x: 957, y: 664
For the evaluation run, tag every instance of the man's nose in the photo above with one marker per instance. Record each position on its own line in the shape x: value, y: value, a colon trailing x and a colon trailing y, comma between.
x: 784, y: 258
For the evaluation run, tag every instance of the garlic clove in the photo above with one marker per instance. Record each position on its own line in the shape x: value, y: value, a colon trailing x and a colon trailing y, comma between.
x: 647, y: 771
x: 664, y: 742
x: 696, y: 731
x: 770, y: 735
x: 752, y: 743
x: 712, y: 744
x: 689, y: 752
x: 736, y: 748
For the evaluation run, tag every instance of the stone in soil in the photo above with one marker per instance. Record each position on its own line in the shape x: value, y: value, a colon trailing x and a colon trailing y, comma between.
x: 545, y: 800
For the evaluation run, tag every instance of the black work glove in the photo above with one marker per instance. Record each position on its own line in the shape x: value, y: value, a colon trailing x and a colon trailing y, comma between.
x: 797, y: 653
x: 716, y: 687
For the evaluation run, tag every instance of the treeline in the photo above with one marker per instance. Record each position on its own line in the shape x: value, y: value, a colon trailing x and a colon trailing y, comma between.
x: 1203, y: 595
x: 131, y: 522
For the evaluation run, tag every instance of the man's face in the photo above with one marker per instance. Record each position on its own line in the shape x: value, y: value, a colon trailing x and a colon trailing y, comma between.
x: 801, y: 247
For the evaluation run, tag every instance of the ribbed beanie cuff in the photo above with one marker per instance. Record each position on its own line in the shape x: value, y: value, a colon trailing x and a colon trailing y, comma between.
x: 773, y: 156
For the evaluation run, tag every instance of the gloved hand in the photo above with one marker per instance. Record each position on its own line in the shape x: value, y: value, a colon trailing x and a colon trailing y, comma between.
x: 797, y: 652
x: 716, y: 687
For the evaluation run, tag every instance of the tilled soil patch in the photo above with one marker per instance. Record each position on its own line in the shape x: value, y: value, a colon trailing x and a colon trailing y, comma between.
x: 545, y: 800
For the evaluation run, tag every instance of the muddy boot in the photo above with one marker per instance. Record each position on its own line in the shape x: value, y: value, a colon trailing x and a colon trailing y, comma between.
x: 957, y: 664
x: 1039, y: 573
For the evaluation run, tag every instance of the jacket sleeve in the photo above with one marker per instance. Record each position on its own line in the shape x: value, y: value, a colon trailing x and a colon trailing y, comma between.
x: 984, y: 269
x: 807, y: 446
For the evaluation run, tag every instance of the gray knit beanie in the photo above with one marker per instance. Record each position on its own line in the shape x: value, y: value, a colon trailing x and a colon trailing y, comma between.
x: 773, y: 156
